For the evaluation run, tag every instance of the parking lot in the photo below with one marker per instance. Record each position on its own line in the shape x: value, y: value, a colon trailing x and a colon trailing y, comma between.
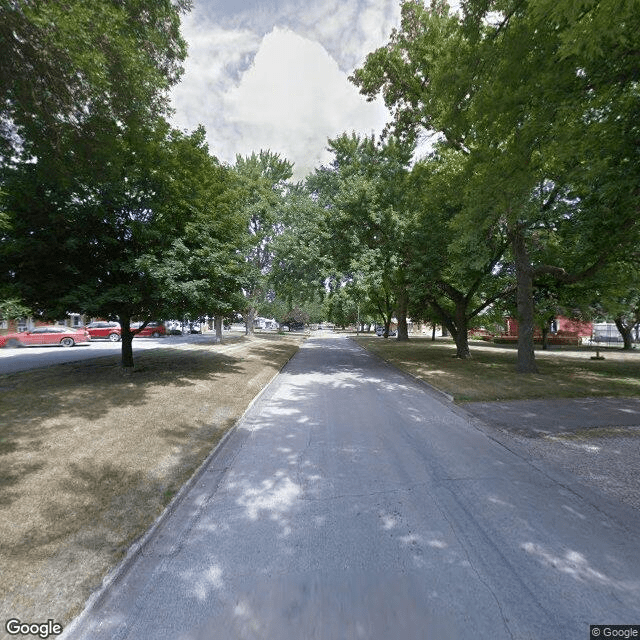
x: 21, y: 359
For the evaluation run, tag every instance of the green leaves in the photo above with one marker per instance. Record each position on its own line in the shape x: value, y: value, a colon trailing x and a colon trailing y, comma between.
x: 63, y: 64
x: 263, y: 188
x: 361, y: 198
x: 530, y: 94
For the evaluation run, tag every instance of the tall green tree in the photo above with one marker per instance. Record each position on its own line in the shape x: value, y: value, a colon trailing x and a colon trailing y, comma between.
x: 63, y: 61
x: 83, y: 143
x: 362, y: 196
x: 454, y: 274
x: 300, y: 266
x: 263, y: 180
x: 142, y: 228
x: 516, y: 87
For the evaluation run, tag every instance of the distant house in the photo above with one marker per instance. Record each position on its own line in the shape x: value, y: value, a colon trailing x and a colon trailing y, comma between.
x: 560, y: 325
x: 74, y: 320
x: 562, y: 331
x: 265, y: 323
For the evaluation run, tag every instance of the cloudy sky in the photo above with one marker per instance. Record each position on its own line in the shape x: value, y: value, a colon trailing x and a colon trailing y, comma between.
x: 272, y: 74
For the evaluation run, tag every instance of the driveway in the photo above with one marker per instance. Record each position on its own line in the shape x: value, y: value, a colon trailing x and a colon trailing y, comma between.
x: 350, y: 502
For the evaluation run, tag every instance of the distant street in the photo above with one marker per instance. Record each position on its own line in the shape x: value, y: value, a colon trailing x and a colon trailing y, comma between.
x: 351, y: 502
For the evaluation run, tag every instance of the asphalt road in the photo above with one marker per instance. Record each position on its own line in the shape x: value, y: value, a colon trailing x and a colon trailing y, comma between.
x: 351, y: 502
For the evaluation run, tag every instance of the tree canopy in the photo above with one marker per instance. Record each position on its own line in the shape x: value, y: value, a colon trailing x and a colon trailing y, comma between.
x: 529, y: 196
x: 64, y: 62
x: 543, y: 115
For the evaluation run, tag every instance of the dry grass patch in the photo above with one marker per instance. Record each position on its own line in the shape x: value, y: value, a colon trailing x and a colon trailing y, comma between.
x: 90, y: 457
x: 490, y: 373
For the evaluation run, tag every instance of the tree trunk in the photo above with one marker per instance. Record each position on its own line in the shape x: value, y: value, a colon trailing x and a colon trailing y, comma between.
x: 545, y: 337
x: 403, y: 303
x: 625, y: 332
x: 217, y: 322
x: 462, y: 331
x: 249, y: 320
x: 126, y: 358
x: 524, y: 279
x: 457, y: 326
x: 433, y: 332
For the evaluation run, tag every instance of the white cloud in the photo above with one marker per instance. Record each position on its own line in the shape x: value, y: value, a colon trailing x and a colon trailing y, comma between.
x: 293, y: 98
x: 277, y: 78
x: 347, y: 29
x: 215, y: 58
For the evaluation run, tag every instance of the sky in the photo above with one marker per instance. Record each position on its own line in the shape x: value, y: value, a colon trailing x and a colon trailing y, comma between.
x: 273, y: 74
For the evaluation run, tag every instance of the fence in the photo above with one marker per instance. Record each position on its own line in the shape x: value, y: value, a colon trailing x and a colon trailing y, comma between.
x: 607, y: 332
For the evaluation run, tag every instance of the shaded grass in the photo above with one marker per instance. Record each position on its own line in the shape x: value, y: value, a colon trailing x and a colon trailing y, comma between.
x: 89, y: 457
x: 490, y: 373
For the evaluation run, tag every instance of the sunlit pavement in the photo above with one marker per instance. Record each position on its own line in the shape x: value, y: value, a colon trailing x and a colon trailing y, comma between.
x: 351, y: 502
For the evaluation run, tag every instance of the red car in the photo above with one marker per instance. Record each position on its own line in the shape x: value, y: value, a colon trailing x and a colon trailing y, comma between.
x: 153, y: 329
x: 63, y: 336
x: 104, y: 329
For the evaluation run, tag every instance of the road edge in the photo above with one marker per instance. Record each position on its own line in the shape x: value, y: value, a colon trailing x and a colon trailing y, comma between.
x: 620, y: 513
x: 438, y: 393
x: 137, y: 546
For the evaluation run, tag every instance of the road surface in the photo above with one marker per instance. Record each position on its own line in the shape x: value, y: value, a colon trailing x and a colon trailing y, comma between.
x: 352, y: 502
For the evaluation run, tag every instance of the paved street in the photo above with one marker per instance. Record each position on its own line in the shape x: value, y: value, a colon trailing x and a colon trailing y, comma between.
x: 352, y: 502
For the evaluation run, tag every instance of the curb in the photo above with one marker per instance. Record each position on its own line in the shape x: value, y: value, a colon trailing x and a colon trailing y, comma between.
x: 623, y: 515
x: 136, y: 547
x: 442, y: 395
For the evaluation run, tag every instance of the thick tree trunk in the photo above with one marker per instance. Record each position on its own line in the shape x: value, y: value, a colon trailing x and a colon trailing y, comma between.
x: 126, y: 358
x: 462, y: 331
x: 457, y: 325
x: 433, y: 332
x: 626, y: 333
x: 217, y: 323
x: 403, y: 303
x: 524, y: 278
x: 248, y: 321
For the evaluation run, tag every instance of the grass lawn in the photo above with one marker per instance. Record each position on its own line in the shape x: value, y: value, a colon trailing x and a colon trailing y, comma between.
x: 90, y: 457
x: 490, y: 373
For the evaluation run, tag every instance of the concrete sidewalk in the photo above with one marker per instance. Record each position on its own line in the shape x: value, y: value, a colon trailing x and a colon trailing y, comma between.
x: 557, y: 416
x: 596, y: 440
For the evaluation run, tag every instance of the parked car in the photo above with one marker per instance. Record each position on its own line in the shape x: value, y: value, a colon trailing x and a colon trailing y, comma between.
x: 153, y: 330
x: 104, y: 329
x: 46, y: 335
x: 380, y: 332
x: 174, y: 328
